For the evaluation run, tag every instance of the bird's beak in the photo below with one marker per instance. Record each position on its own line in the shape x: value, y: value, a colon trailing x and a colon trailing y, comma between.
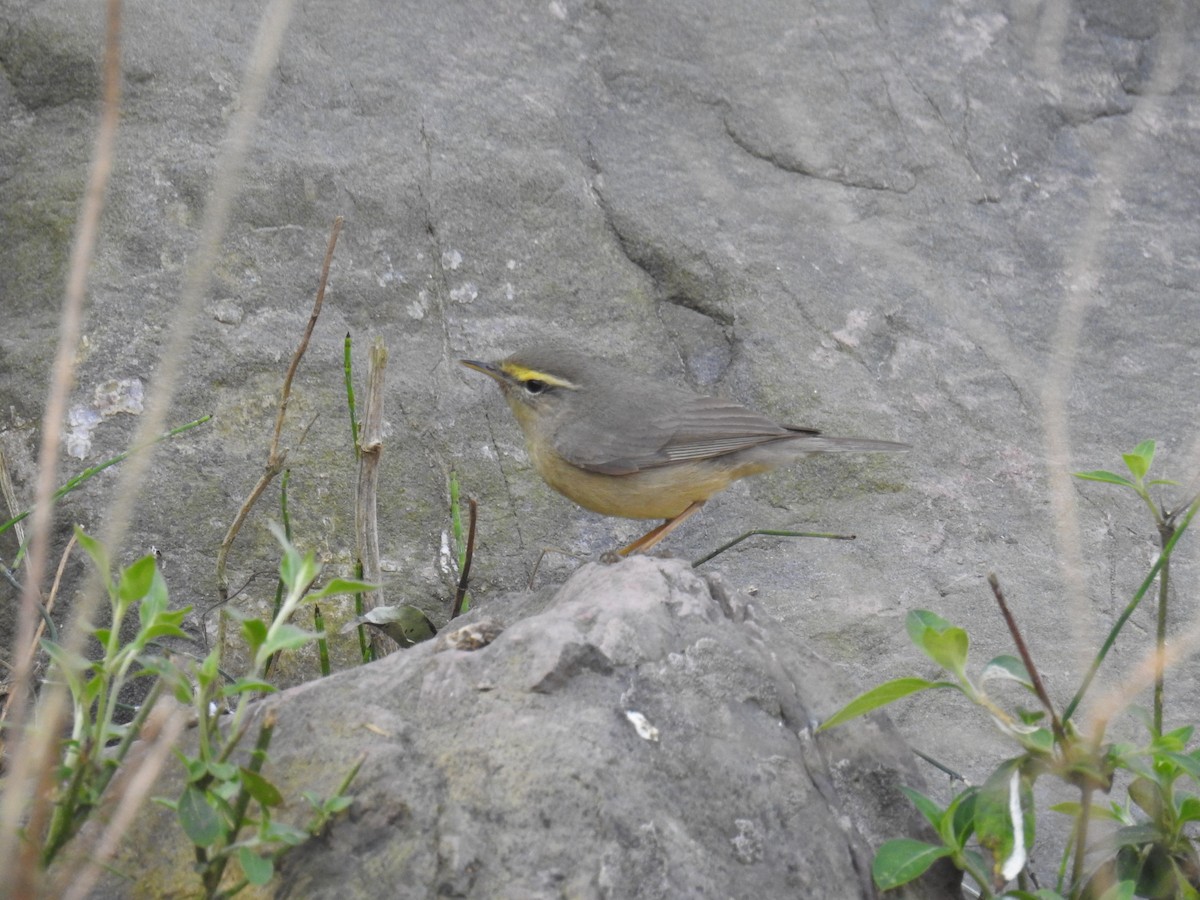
x: 490, y: 369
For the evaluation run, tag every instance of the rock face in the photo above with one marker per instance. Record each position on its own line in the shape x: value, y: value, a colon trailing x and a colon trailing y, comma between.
x: 969, y: 226
x: 639, y: 733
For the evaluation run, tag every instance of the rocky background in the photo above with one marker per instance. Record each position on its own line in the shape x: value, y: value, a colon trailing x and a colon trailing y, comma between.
x: 970, y: 226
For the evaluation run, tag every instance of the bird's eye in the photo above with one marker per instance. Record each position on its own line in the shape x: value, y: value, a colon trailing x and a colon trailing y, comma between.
x: 535, y: 386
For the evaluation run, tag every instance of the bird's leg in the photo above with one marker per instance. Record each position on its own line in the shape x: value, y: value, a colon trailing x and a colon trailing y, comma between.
x: 650, y: 538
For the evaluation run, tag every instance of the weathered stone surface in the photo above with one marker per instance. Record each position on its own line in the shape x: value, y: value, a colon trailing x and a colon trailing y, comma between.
x: 893, y: 220
x: 516, y: 770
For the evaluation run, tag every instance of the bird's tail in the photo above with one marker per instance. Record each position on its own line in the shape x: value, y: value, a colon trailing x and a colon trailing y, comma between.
x: 819, y: 443
x: 805, y: 441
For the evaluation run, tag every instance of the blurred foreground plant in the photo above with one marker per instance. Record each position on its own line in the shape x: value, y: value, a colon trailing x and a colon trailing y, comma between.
x: 223, y: 795
x: 987, y: 831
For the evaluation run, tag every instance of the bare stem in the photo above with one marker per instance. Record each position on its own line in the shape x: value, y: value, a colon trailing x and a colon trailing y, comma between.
x: 1038, y: 687
x: 276, y: 457
x: 366, y: 525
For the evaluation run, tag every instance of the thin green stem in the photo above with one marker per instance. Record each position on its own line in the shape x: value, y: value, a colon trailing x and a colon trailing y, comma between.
x: 77, y: 481
x: 981, y: 878
x: 111, y: 668
x: 771, y: 532
x: 364, y: 645
x: 1155, y: 513
x: 461, y: 603
x: 1081, y: 832
x: 1165, y: 530
x: 287, y: 530
x: 349, y: 373
x: 1128, y: 611
x: 67, y: 816
x: 456, y: 521
x: 1065, y: 860
x: 214, y: 871
x: 322, y: 644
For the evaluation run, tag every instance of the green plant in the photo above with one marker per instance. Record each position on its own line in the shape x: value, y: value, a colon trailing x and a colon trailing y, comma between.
x: 98, y: 743
x: 1138, y: 462
x: 222, y: 798
x: 987, y: 831
x: 464, y: 549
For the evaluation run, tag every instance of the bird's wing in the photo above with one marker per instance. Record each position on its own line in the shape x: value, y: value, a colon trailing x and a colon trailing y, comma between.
x: 663, y: 430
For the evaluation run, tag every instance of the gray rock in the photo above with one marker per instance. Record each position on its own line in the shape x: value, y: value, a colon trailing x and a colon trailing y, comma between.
x: 902, y: 220
x: 640, y: 733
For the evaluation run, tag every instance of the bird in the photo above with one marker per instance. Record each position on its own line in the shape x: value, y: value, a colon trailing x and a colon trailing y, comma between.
x: 625, y: 444
x: 406, y: 625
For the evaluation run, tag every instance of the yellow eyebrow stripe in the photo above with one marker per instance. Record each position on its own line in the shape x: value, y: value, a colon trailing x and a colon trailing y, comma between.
x: 522, y: 373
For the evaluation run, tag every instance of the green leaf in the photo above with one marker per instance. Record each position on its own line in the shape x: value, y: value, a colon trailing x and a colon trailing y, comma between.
x: 208, y: 671
x: 163, y: 629
x: 1146, y: 794
x: 92, y: 690
x: 342, y: 586
x: 286, y: 637
x: 194, y: 766
x: 337, y: 804
x: 153, y: 608
x: 1185, y: 761
x: 1139, y: 459
x: 222, y: 771
x: 882, y: 695
x: 930, y: 810
x: 244, y: 685
x: 1007, y: 667
x: 1138, y: 765
x: 948, y: 649
x: 1107, y: 477
x: 1176, y: 739
x: 1136, y: 836
x: 1072, y: 808
x: 255, y: 632
x: 1122, y: 890
x: 1040, y: 740
x: 918, y: 621
x: 96, y: 551
x: 258, y: 869
x: 284, y: 833
x: 1004, y: 819
x: 961, y: 813
x: 900, y: 861
x: 199, y: 820
x: 1182, y: 734
x: 260, y: 789
x: 134, y: 583
x: 72, y: 666
x: 1189, y: 809
x: 67, y: 661
x: 296, y: 571
x: 942, y: 642
x: 1136, y: 464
